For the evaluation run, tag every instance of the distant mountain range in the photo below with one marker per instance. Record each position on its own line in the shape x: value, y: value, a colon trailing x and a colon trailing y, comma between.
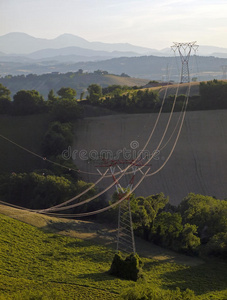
x: 21, y: 53
x: 17, y: 44
x: 23, y: 44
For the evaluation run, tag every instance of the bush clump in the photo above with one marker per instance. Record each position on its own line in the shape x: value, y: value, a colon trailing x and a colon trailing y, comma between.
x: 129, y: 268
x: 141, y: 292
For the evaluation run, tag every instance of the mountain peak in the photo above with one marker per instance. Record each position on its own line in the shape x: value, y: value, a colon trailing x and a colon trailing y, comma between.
x: 70, y: 37
x: 17, y: 35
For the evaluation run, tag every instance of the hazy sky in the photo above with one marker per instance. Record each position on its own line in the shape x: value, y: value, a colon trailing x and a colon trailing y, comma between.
x: 149, y: 23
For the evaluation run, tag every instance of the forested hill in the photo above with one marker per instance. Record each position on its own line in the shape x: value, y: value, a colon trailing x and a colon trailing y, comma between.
x: 77, y: 80
x: 148, y: 67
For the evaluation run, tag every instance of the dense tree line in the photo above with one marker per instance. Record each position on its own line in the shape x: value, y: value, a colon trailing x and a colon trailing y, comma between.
x: 63, y: 107
x: 135, y: 100
x: 43, y: 83
x: 42, y: 189
x: 123, y: 98
x: 197, y: 226
x: 213, y: 94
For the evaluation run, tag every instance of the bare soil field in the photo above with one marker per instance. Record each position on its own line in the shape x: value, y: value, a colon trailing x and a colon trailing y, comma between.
x: 198, y: 163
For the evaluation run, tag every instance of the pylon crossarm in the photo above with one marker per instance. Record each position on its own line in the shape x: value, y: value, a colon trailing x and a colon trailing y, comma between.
x: 184, y: 50
x: 125, y: 235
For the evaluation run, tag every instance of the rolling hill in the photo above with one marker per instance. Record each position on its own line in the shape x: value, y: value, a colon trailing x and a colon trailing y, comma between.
x: 147, y: 67
x: 51, y: 262
x: 79, y: 81
x: 197, y: 165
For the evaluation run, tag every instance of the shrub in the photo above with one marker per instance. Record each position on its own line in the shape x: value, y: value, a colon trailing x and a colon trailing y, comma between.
x: 130, y: 268
x: 57, y: 138
x: 217, y: 245
x: 141, y: 292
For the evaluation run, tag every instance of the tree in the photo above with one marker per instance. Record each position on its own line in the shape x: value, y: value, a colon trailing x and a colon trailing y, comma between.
x: 67, y: 93
x: 95, y: 92
x: 213, y: 94
x: 51, y: 96
x: 207, y: 213
x: 28, y: 102
x: 147, y: 99
x: 145, y: 211
x: 167, y: 229
x: 4, y: 92
x: 58, y: 138
x: 189, y: 239
x: 5, y: 100
x: 217, y: 245
x: 34, y: 190
x: 124, y: 75
x: 65, y: 110
x: 81, y: 96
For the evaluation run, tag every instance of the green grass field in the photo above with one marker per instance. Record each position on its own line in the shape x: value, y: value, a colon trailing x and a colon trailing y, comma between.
x: 35, y: 264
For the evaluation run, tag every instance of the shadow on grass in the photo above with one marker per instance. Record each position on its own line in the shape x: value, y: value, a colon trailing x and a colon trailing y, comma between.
x: 78, y: 226
x: 208, y: 277
x: 97, y: 277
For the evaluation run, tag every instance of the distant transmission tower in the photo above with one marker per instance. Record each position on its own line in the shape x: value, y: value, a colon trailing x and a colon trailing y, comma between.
x: 224, y: 70
x: 184, y: 50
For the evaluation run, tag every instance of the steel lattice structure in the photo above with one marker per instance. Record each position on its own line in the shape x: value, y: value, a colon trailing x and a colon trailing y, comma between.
x: 224, y: 70
x: 184, y: 50
x: 125, y: 234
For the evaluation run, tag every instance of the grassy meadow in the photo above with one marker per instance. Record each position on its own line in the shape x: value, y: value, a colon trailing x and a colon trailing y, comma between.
x: 35, y: 264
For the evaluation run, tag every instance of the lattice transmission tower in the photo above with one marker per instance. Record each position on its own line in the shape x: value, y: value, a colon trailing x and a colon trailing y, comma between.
x: 125, y: 234
x: 184, y: 50
x: 224, y: 70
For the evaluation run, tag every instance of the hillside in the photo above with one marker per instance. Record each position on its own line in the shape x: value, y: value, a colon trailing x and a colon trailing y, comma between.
x: 28, y: 132
x: 197, y: 165
x: 96, y: 233
x: 79, y: 81
x: 147, y: 67
x: 45, y: 265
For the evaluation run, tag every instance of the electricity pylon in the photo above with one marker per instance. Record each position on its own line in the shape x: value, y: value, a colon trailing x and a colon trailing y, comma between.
x: 125, y: 234
x: 184, y: 50
x: 224, y: 70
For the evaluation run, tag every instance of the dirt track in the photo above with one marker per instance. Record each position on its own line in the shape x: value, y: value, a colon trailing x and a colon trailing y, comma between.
x: 197, y: 165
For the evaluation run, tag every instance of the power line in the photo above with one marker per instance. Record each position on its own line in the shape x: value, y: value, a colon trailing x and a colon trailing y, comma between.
x: 123, y: 172
x: 105, y: 208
